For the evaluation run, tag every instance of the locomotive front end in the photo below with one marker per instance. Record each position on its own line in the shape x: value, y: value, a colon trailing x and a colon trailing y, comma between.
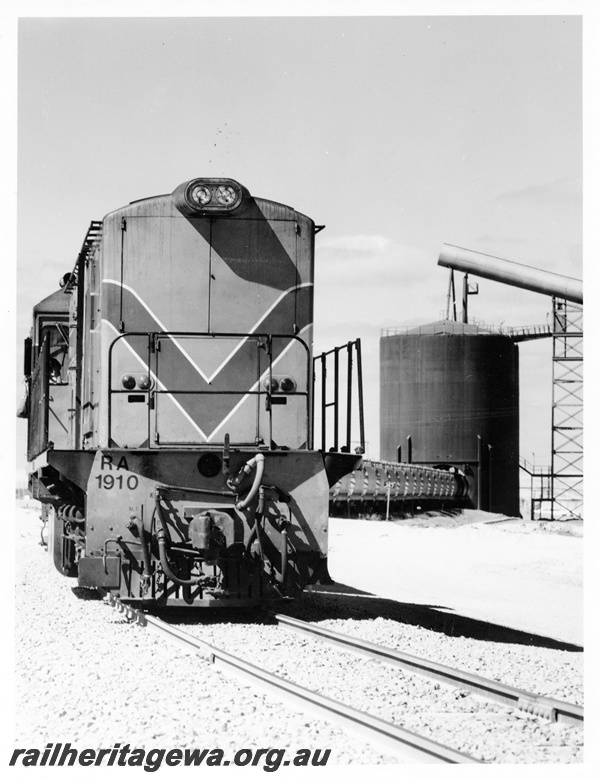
x: 190, y: 461
x: 229, y: 527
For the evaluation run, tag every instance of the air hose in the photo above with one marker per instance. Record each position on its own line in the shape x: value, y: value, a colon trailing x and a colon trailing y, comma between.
x: 256, y: 462
x: 161, y: 539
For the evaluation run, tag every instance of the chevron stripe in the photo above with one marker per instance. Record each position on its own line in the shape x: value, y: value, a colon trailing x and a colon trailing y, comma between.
x: 177, y: 371
x: 145, y: 367
x: 159, y: 326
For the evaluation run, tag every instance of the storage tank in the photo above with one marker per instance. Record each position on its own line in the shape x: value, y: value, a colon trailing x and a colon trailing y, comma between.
x: 450, y: 395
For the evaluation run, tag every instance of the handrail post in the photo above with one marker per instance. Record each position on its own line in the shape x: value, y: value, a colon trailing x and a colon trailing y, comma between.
x: 323, y: 399
x: 349, y: 403
x: 361, y: 412
x: 336, y: 410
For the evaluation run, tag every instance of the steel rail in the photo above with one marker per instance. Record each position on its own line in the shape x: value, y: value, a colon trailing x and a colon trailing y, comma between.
x: 371, y: 729
x: 550, y: 708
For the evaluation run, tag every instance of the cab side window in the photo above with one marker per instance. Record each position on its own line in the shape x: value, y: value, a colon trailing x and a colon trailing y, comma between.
x: 56, y: 335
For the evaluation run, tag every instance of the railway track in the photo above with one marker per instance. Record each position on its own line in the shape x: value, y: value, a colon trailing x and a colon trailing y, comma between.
x: 369, y: 728
x: 549, y: 708
x: 398, y: 740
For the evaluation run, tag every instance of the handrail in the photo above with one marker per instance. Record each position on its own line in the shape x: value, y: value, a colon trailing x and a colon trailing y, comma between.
x: 153, y: 336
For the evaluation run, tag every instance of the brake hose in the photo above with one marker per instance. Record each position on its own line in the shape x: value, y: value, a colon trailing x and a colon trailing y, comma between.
x: 256, y: 462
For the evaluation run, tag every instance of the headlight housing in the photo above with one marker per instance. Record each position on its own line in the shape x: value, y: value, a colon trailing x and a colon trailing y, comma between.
x: 208, y: 195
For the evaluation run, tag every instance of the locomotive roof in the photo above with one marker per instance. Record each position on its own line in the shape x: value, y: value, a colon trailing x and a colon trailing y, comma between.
x: 149, y: 199
x: 57, y: 302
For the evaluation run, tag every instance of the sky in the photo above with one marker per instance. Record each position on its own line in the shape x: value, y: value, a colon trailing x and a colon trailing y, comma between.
x: 398, y: 132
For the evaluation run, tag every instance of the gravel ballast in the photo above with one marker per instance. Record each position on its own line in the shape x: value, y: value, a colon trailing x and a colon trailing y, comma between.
x: 467, y: 723
x: 86, y: 676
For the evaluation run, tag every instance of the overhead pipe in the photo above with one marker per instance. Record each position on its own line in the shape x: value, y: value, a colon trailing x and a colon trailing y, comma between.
x: 511, y: 273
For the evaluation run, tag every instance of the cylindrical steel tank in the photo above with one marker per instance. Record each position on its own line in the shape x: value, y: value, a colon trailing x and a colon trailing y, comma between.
x: 450, y: 396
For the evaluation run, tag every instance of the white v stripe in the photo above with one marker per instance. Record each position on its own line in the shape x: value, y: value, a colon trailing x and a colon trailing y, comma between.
x: 156, y: 380
x: 264, y: 375
x: 208, y: 438
x: 208, y: 378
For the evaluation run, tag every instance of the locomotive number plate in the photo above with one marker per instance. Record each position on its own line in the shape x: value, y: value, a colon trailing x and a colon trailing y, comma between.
x: 109, y: 481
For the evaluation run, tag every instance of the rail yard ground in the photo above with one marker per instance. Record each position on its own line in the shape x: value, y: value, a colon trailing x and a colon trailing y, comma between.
x: 526, y: 575
x: 85, y: 676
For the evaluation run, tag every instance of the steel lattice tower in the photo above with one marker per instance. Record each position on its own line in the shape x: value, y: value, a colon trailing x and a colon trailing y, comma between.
x: 567, y: 410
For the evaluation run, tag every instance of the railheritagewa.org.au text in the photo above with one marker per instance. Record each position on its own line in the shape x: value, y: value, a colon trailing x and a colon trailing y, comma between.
x: 152, y: 759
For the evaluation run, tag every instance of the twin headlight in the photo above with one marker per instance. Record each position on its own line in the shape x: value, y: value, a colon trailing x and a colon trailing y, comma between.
x: 221, y: 195
x: 208, y: 195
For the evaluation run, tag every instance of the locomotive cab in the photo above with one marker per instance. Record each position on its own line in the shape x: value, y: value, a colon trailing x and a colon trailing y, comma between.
x: 46, y: 371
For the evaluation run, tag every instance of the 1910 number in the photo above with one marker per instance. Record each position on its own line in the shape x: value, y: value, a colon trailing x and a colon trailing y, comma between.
x: 117, y: 482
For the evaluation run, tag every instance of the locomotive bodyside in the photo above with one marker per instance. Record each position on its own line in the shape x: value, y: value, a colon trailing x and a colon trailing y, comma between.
x: 188, y: 476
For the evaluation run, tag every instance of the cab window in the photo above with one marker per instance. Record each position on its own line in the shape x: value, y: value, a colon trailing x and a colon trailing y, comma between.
x: 56, y: 334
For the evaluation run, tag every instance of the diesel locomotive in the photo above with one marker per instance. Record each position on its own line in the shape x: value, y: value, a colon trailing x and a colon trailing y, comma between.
x: 170, y: 403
